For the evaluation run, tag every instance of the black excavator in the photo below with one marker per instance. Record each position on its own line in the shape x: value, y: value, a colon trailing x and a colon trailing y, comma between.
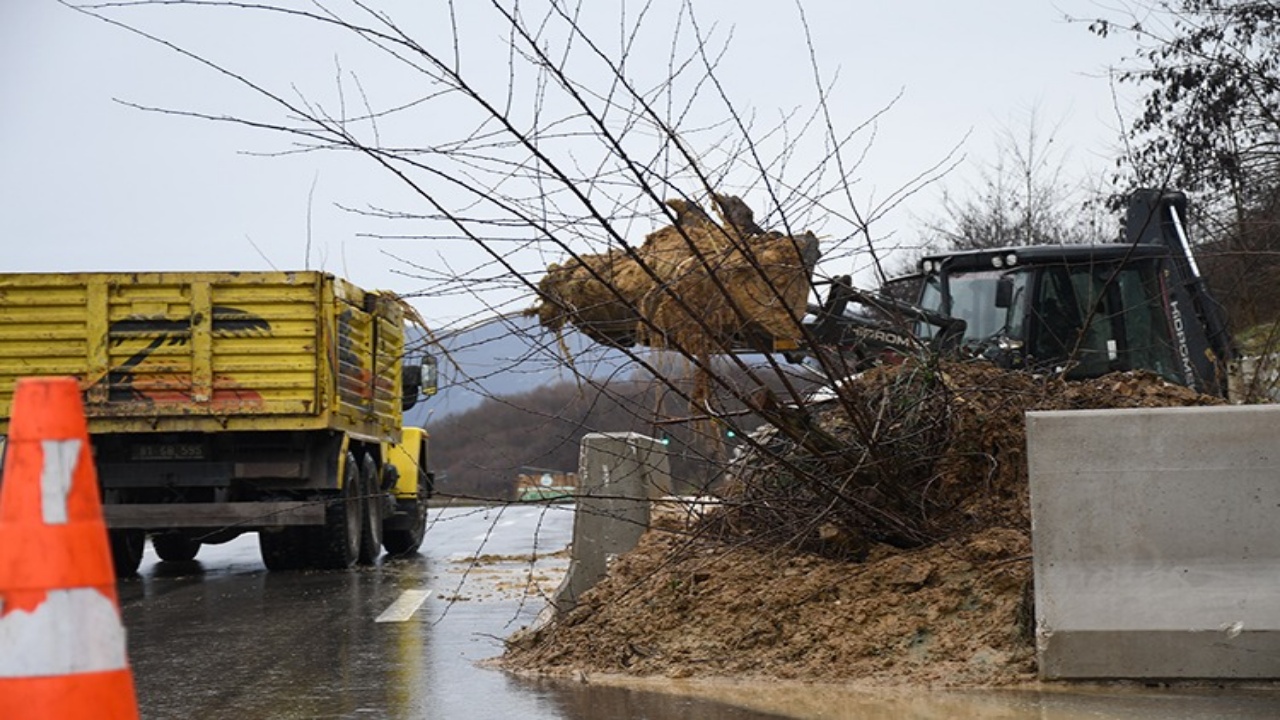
x: 1079, y: 310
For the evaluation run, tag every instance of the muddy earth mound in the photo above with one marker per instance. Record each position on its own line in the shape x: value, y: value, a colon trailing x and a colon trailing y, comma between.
x: 893, y: 549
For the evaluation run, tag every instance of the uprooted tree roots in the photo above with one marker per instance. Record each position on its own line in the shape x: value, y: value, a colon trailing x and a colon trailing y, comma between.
x: 696, y: 285
x: 890, y: 544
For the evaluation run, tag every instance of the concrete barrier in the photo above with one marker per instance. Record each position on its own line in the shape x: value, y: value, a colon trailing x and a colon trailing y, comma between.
x: 1156, y: 536
x: 619, y: 474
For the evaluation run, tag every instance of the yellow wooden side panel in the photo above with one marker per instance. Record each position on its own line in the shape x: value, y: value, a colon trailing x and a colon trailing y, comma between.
x: 354, y: 366
x: 266, y: 347
x: 388, y: 363
x: 211, y: 347
x: 44, y: 329
x: 366, y: 358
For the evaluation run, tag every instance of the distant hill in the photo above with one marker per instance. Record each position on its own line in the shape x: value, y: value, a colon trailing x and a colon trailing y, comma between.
x: 508, y: 356
x: 480, y: 451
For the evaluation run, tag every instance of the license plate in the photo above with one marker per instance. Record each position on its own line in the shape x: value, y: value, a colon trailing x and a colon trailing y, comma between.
x: 168, y: 451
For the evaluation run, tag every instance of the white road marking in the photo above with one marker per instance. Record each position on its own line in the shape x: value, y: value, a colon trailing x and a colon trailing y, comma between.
x: 405, y: 606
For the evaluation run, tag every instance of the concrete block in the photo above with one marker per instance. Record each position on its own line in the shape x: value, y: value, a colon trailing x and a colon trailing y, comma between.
x: 1156, y: 536
x: 618, y: 476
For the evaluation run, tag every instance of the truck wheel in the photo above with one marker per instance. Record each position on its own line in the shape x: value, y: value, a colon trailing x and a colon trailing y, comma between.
x: 284, y: 549
x: 126, y: 550
x: 339, y: 544
x: 371, y: 504
x: 406, y: 541
x: 174, y: 547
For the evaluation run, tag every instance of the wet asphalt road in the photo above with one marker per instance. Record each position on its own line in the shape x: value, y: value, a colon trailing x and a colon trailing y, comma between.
x: 223, y: 638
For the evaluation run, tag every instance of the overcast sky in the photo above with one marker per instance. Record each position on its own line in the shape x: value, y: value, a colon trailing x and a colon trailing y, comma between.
x: 87, y: 183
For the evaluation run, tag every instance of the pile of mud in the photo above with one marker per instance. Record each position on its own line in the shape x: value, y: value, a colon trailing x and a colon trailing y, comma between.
x: 696, y: 285
x: 769, y: 586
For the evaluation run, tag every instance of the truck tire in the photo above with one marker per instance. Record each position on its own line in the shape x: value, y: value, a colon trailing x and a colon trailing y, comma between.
x: 339, y: 538
x: 284, y: 549
x: 175, y: 547
x: 126, y: 550
x: 406, y: 541
x: 371, y: 507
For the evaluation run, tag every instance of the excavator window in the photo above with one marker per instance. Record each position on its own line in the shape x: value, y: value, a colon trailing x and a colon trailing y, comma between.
x: 1149, y: 337
x: 1057, y: 324
x: 1016, y: 324
x: 930, y: 299
x: 972, y: 296
x: 1094, y: 318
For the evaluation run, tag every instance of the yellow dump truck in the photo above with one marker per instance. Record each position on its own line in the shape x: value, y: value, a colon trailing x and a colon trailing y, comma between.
x: 223, y: 402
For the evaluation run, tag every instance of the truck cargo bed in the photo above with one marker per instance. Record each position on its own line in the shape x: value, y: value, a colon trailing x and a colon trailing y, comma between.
x: 207, y: 351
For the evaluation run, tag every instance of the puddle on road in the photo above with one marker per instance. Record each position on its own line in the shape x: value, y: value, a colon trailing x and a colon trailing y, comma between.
x: 820, y: 701
x: 588, y: 698
x: 495, y: 578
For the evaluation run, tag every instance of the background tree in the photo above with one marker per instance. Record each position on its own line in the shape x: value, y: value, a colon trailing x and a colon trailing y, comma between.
x: 1209, y: 123
x: 1210, y: 70
x: 1031, y: 192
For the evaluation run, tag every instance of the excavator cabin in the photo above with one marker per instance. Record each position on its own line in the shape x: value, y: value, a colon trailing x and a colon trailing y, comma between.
x: 1087, y: 310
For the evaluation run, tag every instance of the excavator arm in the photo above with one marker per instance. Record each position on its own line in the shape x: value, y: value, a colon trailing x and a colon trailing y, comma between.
x: 1202, y: 338
x: 880, y: 326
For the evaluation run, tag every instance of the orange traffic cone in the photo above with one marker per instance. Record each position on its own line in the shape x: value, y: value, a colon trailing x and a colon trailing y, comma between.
x: 62, y: 648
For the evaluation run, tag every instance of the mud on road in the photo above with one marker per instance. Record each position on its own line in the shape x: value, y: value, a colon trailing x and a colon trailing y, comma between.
x: 730, y: 595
